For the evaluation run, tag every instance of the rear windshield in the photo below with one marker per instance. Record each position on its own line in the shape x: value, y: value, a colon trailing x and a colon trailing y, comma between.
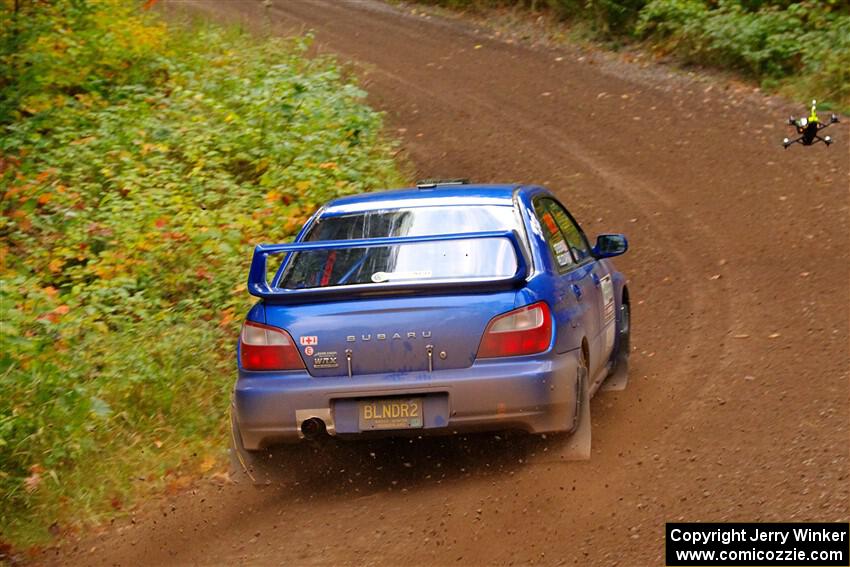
x: 488, y: 258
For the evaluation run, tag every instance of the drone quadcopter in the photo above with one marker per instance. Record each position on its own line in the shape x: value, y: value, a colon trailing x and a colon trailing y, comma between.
x: 808, y: 129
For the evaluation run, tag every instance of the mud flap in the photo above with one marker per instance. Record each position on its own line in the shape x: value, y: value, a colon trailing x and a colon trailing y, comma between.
x: 619, y: 379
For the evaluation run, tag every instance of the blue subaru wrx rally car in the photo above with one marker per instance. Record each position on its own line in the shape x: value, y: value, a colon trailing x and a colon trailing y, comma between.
x: 432, y: 310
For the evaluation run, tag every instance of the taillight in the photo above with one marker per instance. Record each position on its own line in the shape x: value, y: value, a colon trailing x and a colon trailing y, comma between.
x: 267, y: 348
x: 527, y: 330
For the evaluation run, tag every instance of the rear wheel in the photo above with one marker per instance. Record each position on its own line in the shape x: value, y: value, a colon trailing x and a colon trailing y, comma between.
x: 582, y: 373
x: 576, y: 447
x: 618, y: 379
x: 625, y: 330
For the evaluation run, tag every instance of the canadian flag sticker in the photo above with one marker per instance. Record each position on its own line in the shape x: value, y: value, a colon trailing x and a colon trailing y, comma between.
x: 309, y: 340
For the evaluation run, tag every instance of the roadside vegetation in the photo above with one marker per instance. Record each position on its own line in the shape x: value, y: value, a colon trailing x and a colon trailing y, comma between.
x: 139, y: 164
x: 800, y: 49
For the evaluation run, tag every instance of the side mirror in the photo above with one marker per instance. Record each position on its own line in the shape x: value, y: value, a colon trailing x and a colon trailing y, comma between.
x: 608, y: 245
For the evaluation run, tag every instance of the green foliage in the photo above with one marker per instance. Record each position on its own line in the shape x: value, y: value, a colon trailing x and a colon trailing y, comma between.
x: 132, y: 189
x: 607, y: 16
x: 667, y: 17
x: 56, y: 49
x: 806, y: 44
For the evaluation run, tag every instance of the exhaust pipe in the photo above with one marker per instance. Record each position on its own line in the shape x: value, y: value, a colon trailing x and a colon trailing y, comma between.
x: 313, y: 428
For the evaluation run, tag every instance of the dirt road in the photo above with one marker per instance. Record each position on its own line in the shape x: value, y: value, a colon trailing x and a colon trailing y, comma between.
x: 739, y: 269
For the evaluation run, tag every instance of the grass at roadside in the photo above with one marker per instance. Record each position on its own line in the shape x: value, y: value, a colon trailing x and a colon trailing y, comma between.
x: 139, y: 163
x: 799, y: 49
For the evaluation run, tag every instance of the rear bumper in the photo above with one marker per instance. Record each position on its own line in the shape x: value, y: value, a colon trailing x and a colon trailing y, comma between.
x: 535, y: 394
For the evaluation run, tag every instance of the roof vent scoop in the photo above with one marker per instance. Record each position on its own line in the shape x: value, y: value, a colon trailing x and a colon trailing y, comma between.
x: 432, y: 183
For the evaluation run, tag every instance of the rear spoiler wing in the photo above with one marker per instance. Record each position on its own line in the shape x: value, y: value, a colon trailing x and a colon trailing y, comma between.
x: 259, y: 286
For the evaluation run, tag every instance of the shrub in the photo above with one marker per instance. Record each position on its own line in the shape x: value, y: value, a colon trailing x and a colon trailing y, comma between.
x: 53, y: 50
x: 132, y: 192
x: 804, y: 46
x: 825, y: 59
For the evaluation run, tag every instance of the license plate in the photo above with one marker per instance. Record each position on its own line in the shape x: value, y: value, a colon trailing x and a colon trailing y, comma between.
x: 393, y: 413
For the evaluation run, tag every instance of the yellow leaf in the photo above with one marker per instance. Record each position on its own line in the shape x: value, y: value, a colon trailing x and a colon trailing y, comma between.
x: 55, y: 265
x: 302, y: 185
x: 226, y: 317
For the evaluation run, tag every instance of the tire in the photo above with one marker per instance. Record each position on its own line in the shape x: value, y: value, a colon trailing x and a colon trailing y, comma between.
x: 618, y: 378
x: 582, y: 376
x: 576, y: 446
x: 260, y: 468
x: 624, y: 330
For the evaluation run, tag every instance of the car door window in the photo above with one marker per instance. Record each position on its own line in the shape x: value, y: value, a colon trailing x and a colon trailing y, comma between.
x: 575, y: 237
x: 558, y: 244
